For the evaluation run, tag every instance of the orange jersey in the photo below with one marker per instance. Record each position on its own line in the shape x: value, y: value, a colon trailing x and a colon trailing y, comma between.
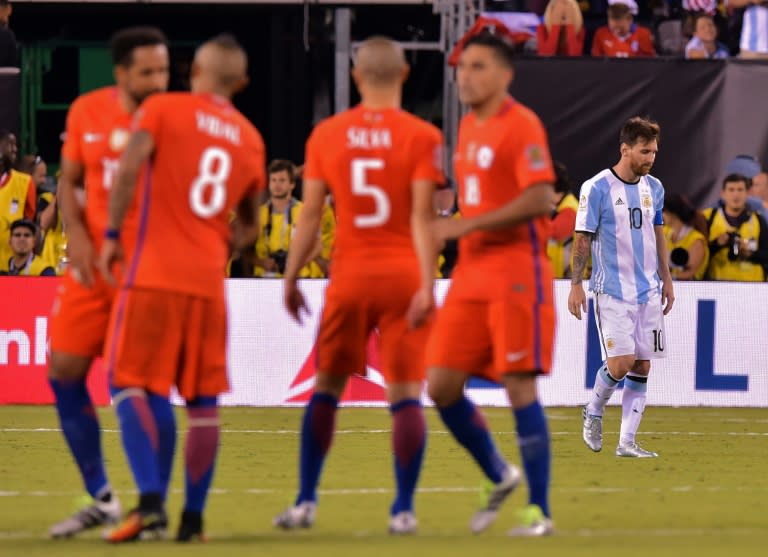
x: 98, y: 128
x: 494, y: 162
x: 369, y: 159
x: 207, y: 158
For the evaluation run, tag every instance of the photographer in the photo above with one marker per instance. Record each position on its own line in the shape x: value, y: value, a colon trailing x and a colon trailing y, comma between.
x: 685, y: 230
x: 278, y: 218
x: 738, y: 237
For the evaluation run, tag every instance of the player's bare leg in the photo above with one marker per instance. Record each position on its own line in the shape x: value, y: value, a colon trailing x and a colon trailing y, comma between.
x: 77, y: 415
x: 317, y: 430
x: 468, y: 426
x: 409, y: 435
x: 535, y: 453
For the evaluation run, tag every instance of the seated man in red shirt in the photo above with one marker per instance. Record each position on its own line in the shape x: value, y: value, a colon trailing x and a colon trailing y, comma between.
x: 622, y: 38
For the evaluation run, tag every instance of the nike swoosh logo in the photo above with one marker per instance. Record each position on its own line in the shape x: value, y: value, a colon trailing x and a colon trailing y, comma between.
x: 516, y: 356
x: 92, y: 137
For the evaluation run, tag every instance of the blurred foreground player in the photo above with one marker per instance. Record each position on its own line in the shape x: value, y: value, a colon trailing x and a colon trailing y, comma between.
x: 381, y: 165
x: 169, y: 323
x: 98, y: 127
x: 498, y: 318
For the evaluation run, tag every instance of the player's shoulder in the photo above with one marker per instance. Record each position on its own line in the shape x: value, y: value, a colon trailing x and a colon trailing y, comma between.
x: 96, y: 101
x: 601, y: 180
x: 522, y: 120
x: 416, y: 125
x: 654, y: 182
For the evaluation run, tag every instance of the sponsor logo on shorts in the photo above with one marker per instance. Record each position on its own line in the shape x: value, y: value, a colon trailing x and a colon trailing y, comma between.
x: 516, y: 356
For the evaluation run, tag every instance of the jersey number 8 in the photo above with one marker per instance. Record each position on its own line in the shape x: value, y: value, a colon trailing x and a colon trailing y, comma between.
x: 213, y: 172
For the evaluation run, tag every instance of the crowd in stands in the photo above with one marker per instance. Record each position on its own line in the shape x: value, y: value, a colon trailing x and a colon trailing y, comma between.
x: 710, y: 29
x: 726, y: 242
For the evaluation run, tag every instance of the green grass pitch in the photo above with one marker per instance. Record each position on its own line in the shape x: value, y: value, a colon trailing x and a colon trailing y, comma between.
x: 706, y: 495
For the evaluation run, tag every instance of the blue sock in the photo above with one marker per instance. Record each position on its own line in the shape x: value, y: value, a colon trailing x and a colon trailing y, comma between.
x: 316, y: 436
x: 200, y: 452
x: 533, y: 439
x: 80, y: 425
x: 470, y: 429
x: 140, y: 438
x: 409, y: 438
x: 166, y: 438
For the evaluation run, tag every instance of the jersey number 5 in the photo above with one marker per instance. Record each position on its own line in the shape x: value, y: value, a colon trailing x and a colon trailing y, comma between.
x: 360, y: 186
x: 213, y: 172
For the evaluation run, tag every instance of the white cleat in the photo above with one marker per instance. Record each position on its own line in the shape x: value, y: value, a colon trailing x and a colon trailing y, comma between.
x: 300, y: 516
x: 495, y: 496
x: 403, y: 524
x: 533, y: 524
x: 633, y: 450
x: 95, y: 514
x: 592, y: 430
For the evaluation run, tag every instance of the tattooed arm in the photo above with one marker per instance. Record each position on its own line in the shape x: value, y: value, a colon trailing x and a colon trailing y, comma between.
x: 577, y: 299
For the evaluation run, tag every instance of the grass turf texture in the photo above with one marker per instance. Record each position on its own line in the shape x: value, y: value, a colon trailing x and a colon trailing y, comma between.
x: 706, y: 495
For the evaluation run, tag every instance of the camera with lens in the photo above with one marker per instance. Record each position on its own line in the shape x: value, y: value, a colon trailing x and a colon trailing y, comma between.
x: 734, y: 246
x: 280, y: 257
x: 678, y: 258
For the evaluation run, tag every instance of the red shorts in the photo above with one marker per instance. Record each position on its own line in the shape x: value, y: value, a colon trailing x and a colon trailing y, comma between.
x: 493, y: 338
x: 159, y: 338
x: 80, y: 316
x: 354, y: 306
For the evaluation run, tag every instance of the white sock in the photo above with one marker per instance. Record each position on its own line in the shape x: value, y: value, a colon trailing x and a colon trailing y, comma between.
x: 632, y: 407
x: 605, y: 385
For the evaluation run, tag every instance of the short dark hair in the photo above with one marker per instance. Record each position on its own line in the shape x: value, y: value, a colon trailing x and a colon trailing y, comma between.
x: 619, y: 11
x: 227, y: 41
x: 737, y: 178
x: 24, y: 223
x: 5, y: 3
x: 501, y: 47
x: 639, y: 129
x: 124, y: 42
x: 280, y: 165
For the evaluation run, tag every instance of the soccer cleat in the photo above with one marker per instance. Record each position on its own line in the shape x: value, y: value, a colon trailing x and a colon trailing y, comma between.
x: 633, y: 450
x: 97, y: 513
x: 299, y: 516
x: 592, y: 430
x: 402, y: 524
x: 139, y: 525
x: 191, y: 527
x: 495, y: 495
x: 533, y: 523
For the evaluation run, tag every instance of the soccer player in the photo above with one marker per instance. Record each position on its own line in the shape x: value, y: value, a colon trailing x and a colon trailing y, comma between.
x: 381, y: 165
x: 169, y: 323
x: 498, y: 317
x: 620, y: 214
x: 97, y: 130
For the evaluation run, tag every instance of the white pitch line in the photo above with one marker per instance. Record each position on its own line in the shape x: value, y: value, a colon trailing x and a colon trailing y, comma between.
x: 431, y: 490
x: 431, y: 432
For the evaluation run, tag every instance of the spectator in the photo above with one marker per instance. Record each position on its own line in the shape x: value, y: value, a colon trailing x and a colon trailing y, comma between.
x: 562, y: 32
x: 563, y: 223
x: 749, y: 167
x: 23, y: 261
x: 754, y: 29
x: 738, y: 237
x: 18, y: 195
x: 758, y: 200
x: 704, y: 43
x: 9, y: 50
x: 685, y: 230
x: 278, y: 217
x: 622, y: 38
